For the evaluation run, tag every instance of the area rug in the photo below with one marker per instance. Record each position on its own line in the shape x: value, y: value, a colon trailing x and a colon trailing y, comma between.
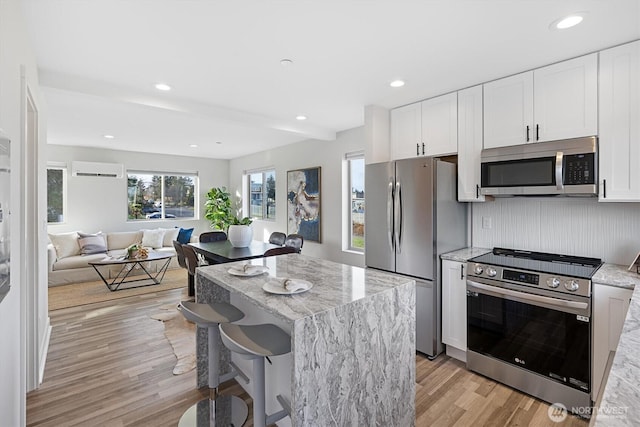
x: 181, y: 334
x: 76, y: 294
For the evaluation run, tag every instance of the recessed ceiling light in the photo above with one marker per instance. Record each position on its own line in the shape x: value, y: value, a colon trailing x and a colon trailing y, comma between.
x: 193, y: 145
x: 219, y: 142
x: 397, y: 83
x: 286, y: 62
x: 567, y: 21
x: 301, y: 117
x: 163, y: 86
x: 109, y: 136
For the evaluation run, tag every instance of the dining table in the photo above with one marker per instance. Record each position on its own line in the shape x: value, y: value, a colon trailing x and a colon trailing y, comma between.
x: 223, y: 251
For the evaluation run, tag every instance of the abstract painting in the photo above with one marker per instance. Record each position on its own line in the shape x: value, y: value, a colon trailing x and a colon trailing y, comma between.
x: 303, y: 203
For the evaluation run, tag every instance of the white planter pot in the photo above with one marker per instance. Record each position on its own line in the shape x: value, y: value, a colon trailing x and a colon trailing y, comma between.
x: 240, y: 236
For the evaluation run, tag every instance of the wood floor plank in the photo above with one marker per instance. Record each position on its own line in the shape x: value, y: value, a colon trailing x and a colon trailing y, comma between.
x: 109, y: 364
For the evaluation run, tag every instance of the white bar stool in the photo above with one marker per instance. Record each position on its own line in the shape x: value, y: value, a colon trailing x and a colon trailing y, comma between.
x: 217, y: 410
x: 257, y: 342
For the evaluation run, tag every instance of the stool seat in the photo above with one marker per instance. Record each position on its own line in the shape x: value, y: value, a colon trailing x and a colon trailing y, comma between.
x: 255, y: 340
x: 209, y: 314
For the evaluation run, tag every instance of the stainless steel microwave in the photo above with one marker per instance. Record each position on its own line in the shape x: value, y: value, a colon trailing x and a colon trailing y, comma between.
x: 561, y: 168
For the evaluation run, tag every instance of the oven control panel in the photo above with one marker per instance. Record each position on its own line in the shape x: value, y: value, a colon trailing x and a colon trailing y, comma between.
x: 556, y: 283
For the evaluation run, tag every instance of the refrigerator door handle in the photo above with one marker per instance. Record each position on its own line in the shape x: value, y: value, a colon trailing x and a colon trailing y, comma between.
x: 390, y: 202
x: 398, y: 217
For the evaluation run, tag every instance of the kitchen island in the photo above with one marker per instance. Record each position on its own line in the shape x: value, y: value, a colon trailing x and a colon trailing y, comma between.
x: 352, y: 356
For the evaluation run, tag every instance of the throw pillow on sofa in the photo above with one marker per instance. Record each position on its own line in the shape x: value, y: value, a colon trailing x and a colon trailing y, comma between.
x: 92, y: 243
x: 170, y: 234
x: 184, y: 235
x: 66, y: 244
x: 152, y: 238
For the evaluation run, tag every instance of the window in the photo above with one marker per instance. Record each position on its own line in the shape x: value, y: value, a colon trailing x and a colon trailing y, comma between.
x: 262, y: 194
x: 356, y: 199
x: 160, y: 196
x: 56, y: 194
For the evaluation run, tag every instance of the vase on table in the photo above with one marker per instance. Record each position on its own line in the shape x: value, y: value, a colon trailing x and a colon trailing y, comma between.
x: 240, y: 236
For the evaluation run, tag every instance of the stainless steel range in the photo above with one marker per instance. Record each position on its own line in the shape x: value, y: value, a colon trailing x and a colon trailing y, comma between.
x: 529, y: 323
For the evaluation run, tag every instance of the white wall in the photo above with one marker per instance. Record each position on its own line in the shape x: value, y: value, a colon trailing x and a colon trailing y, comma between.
x: 16, y: 56
x: 329, y: 155
x: 584, y: 227
x: 100, y: 203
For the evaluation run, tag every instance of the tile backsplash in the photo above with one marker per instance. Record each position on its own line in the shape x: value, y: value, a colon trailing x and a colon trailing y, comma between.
x: 583, y: 227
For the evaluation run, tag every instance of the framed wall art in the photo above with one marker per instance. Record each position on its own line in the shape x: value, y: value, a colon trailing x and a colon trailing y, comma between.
x: 303, y: 203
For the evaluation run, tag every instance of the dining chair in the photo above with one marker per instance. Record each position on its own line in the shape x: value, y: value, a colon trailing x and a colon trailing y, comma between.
x: 212, y: 236
x: 280, y: 251
x: 191, y: 259
x: 182, y: 262
x: 277, y: 238
x: 295, y: 241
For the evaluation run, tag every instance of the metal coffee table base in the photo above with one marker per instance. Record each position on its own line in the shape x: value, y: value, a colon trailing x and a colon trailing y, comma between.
x: 125, y: 273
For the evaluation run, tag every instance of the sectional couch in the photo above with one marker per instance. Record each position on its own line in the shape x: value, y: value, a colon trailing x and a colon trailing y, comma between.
x: 69, y: 254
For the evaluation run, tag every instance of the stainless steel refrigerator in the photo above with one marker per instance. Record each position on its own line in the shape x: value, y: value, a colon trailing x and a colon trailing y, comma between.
x: 412, y: 217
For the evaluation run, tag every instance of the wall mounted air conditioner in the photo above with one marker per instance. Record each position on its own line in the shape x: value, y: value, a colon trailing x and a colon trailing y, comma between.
x: 112, y: 170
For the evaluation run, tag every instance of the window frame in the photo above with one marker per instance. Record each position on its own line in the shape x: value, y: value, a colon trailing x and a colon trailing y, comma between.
x: 65, y: 178
x: 264, y: 193
x: 163, y: 174
x: 349, y: 157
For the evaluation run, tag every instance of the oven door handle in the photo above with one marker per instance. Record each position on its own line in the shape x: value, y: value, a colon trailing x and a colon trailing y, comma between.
x: 530, y: 298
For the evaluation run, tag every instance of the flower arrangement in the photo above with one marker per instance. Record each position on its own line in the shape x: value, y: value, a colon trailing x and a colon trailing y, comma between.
x: 137, y: 251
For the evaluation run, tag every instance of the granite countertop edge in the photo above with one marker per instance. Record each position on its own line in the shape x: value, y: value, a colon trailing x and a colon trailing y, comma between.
x: 464, y: 254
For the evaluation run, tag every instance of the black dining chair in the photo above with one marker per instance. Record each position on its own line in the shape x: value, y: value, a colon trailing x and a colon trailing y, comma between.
x: 295, y: 241
x: 277, y: 238
x: 212, y: 236
x: 191, y: 261
x: 182, y: 263
x: 280, y: 251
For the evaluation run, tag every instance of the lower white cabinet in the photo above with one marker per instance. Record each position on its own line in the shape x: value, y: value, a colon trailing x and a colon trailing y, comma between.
x: 454, y: 305
x: 610, y: 305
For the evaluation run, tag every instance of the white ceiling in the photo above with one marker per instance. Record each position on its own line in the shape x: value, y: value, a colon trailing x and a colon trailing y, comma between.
x: 99, y: 61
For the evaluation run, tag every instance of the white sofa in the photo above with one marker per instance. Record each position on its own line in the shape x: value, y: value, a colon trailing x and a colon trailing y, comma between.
x: 68, y: 265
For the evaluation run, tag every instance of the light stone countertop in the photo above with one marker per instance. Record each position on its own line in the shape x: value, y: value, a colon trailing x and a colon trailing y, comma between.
x: 620, y: 404
x: 463, y: 255
x: 334, y: 284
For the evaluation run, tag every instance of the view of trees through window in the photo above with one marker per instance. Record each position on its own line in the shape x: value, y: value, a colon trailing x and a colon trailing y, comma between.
x: 262, y: 195
x: 356, y: 181
x: 55, y: 194
x: 154, y: 196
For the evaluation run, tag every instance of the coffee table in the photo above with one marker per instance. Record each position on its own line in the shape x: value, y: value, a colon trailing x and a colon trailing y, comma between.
x: 129, y: 265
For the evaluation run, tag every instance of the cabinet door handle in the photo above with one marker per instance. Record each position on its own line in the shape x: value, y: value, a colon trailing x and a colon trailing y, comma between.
x: 461, y: 271
x: 423, y: 148
x: 604, y: 188
x: 537, y: 132
x: 527, y: 133
x: 417, y: 149
x: 477, y: 191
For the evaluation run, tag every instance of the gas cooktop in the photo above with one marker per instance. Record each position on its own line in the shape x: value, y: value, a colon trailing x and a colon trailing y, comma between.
x: 565, y: 265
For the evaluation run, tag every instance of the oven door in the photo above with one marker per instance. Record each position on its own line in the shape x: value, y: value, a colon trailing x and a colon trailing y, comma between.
x: 546, y: 335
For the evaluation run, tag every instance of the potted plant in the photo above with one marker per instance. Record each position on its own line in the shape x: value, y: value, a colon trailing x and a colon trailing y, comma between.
x: 219, y: 211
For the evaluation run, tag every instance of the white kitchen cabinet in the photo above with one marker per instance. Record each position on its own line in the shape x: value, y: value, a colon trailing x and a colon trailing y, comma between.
x: 427, y: 128
x: 469, y: 144
x: 454, y: 305
x: 440, y: 125
x: 508, y: 110
x: 610, y: 305
x: 559, y: 101
x: 376, y: 134
x: 619, y: 138
x: 406, y: 131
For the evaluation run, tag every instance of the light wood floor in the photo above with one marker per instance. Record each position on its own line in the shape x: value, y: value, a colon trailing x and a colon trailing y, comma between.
x: 109, y: 364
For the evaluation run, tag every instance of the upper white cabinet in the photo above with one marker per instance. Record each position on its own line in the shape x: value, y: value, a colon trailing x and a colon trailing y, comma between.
x: 440, y: 125
x: 376, y: 134
x: 406, y: 131
x: 427, y: 128
x: 469, y: 144
x: 559, y: 101
x: 619, y: 138
x: 508, y: 110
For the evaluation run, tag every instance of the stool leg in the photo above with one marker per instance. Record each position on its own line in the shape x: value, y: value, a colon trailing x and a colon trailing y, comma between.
x: 214, y: 358
x: 259, y: 410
